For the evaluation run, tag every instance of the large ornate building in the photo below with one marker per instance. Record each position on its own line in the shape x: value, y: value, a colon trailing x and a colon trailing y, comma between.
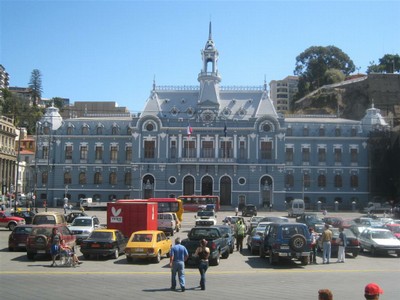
x: 207, y: 139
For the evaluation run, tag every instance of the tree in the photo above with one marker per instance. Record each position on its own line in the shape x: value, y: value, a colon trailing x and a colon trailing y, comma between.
x: 389, y: 63
x: 314, y: 62
x: 36, y: 86
x: 333, y: 76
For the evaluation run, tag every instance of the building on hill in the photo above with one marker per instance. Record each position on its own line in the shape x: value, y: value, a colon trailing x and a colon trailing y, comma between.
x: 208, y: 140
x: 282, y: 93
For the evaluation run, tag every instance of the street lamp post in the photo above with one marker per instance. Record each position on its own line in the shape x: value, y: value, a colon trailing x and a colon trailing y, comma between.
x: 36, y: 158
x: 17, y: 176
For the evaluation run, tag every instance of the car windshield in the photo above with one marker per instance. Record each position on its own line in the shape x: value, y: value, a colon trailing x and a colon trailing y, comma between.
x: 224, y: 230
x: 382, y: 235
x: 275, y: 219
x: 101, y: 235
x: 23, y: 230
x: 142, y: 237
x: 42, y: 231
x: 205, y: 213
x: 82, y: 222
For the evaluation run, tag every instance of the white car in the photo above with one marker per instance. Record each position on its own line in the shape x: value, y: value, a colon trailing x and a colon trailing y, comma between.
x: 378, y: 240
x: 82, y: 227
x: 206, y: 218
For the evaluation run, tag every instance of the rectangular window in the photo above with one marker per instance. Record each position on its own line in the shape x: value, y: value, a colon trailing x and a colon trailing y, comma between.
x: 114, y: 153
x: 354, y: 155
x: 321, y: 155
x: 45, y: 152
x: 99, y: 152
x: 149, y: 149
x: 173, y: 149
x: 189, y: 149
x: 226, y: 149
x: 68, y: 152
x: 207, y: 149
x: 128, y: 153
x: 338, y: 155
x: 305, y: 154
x: 289, y: 154
x: 242, y: 150
x: 266, y: 150
x: 84, y: 153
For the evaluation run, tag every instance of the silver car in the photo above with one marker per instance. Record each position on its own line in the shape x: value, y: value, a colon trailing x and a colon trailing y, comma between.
x: 378, y: 240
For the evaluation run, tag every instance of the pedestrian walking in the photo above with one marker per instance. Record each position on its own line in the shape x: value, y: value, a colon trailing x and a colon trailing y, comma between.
x: 240, y: 230
x: 313, y: 253
x: 203, y: 253
x: 55, y: 239
x: 178, y: 256
x: 372, y: 291
x: 326, y: 244
x: 342, y: 241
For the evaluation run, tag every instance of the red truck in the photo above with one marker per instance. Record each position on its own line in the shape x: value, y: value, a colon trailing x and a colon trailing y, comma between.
x: 129, y: 217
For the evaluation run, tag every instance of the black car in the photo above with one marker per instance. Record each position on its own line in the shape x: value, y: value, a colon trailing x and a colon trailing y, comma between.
x: 249, y: 210
x: 104, y: 242
x: 25, y: 214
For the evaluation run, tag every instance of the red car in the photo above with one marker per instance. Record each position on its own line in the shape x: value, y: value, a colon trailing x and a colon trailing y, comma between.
x: 38, y: 241
x: 395, y: 228
x: 17, y: 238
x: 9, y: 221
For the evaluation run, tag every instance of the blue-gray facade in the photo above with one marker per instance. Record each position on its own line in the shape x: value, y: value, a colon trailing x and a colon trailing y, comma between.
x: 207, y: 139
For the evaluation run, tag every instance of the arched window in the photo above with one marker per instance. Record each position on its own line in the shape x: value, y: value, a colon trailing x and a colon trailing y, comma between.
x: 321, y: 180
x: 289, y: 180
x: 82, y: 178
x: 113, y: 178
x: 44, y: 177
x: 128, y: 178
x: 338, y: 181
x: 98, y: 179
x: 354, y: 181
x: 67, y: 178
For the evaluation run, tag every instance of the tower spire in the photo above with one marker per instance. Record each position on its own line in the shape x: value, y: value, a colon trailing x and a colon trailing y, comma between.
x: 209, y: 32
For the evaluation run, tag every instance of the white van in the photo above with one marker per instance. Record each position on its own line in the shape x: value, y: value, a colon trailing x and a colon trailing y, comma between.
x: 296, y: 207
x: 167, y: 223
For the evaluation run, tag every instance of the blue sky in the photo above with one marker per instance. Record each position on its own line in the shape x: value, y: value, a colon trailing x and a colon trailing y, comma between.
x: 111, y: 50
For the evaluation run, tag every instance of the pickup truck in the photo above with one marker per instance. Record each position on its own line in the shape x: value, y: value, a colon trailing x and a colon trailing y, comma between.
x: 377, y: 207
x: 217, y: 242
x: 205, y: 218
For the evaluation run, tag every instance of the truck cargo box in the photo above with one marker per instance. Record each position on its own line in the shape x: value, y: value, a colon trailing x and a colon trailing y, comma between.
x: 129, y: 217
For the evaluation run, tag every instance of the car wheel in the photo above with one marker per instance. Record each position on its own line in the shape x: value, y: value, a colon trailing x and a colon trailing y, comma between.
x: 253, y: 251
x: 116, y: 253
x: 157, y: 259
x: 304, y: 260
x: 11, y: 226
x: 355, y: 254
x: 373, y: 251
x: 225, y: 254
x: 30, y: 255
x: 297, y: 242
x: 261, y: 252
x: 10, y: 249
x: 129, y: 259
x: 215, y: 262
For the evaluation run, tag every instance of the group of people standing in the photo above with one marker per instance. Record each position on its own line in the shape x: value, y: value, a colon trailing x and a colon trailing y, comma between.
x: 326, y: 239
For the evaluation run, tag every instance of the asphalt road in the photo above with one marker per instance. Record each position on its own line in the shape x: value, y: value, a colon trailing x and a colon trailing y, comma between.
x: 241, y: 275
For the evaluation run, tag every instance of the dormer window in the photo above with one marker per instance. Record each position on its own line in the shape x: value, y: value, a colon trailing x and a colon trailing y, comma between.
x: 174, y: 111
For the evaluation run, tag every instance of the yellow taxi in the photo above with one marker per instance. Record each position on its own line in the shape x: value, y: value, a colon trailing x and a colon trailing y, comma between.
x: 148, y: 244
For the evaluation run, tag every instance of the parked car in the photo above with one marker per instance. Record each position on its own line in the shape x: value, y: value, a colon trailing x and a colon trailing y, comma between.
x: 49, y: 217
x: 254, y: 240
x: 38, y: 241
x: 83, y: 226
x: 352, y: 244
x: 286, y: 241
x: 310, y: 219
x: 333, y: 221
x: 25, y: 214
x: 229, y: 234
x: 395, y: 228
x: 166, y: 222
x: 148, y: 244
x: 104, y: 242
x: 9, y: 221
x: 254, y: 222
x: 17, y: 238
x: 70, y: 217
x: 206, y: 218
x: 379, y: 240
x: 275, y: 219
x: 249, y: 210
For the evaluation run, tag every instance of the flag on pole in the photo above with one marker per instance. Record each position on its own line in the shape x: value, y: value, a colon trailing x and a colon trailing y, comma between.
x: 189, y: 129
x: 225, y: 130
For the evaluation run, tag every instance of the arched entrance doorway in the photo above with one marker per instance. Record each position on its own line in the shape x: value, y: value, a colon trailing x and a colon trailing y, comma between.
x: 266, y: 191
x: 148, y: 186
x: 225, y: 188
x: 207, y: 185
x: 188, y: 185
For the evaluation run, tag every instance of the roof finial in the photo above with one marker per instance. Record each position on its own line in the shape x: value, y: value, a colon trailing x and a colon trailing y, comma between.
x: 265, y: 82
x: 209, y: 32
x: 154, y: 82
